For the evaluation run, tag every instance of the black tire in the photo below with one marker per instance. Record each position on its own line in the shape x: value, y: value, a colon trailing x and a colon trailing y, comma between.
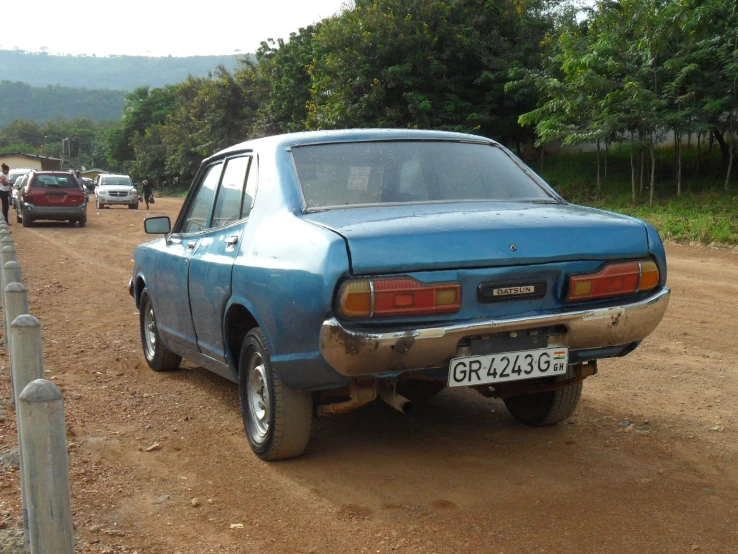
x: 132, y: 206
x: 277, y: 420
x: 83, y: 222
x: 27, y: 221
x: 419, y: 392
x: 545, y: 408
x: 158, y: 356
x: 98, y: 205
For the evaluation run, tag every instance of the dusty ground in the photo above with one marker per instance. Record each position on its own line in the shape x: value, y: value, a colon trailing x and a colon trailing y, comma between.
x: 646, y: 465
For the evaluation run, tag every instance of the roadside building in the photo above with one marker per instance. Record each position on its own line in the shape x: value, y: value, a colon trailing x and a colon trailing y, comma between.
x: 92, y: 172
x: 30, y: 161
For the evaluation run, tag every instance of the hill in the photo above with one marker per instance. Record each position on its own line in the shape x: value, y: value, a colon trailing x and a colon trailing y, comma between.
x: 22, y: 101
x: 110, y: 72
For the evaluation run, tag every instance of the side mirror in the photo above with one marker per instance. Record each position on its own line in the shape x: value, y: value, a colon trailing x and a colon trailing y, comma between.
x: 159, y: 225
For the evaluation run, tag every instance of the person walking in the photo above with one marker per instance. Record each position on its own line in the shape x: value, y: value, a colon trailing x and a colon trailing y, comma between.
x: 148, y: 190
x: 6, y: 187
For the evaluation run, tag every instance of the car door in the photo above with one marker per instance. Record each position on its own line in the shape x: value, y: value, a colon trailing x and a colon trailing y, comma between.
x: 170, y: 295
x: 212, y: 263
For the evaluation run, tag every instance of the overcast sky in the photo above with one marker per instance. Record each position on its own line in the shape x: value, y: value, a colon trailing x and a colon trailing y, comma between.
x: 154, y: 27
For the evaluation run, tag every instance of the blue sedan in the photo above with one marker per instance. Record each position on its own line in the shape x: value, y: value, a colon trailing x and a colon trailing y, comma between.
x: 322, y: 271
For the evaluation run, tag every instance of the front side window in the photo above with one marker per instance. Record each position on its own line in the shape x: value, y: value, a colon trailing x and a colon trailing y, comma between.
x: 360, y: 173
x: 199, y: 208
x: 228, y: 204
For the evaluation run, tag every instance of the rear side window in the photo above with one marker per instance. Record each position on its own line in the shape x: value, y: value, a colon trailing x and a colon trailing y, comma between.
x: 228, y: 204
x: 55, y: 181
x: 199, y: 209
x: 361, y: 173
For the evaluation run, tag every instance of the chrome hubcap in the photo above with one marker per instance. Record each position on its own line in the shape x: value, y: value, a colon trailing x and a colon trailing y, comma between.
x: 258, y: 397
x: 150, y: 332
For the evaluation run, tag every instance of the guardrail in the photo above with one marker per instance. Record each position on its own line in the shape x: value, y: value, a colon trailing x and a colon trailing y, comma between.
x: 42, y: 443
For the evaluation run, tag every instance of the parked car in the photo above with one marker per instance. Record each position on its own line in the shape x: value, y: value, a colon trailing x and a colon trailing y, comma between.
x: 320, y: 271
x: 16, y: 172
x: 54, y: 195
x: 115, y: 190
x: 17, y: 186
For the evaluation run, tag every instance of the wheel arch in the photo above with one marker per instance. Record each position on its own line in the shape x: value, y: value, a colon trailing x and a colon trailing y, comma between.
x: 139, y: 284
x: 240, y: 318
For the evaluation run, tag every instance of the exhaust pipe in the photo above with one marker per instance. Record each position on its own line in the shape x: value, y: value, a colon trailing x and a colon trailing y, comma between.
x: 397, y: 401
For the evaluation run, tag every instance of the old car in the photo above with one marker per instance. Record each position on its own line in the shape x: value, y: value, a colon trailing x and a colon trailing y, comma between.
x: 321, y: 271
x: 115, y: 190
x: 52, y: 195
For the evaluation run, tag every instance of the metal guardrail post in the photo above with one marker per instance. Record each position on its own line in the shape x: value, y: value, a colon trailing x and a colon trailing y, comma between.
x: 45, y: 463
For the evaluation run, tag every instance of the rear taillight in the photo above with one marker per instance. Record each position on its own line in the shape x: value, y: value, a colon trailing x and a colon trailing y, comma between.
x: 614, y: 280
x: 397, y: 296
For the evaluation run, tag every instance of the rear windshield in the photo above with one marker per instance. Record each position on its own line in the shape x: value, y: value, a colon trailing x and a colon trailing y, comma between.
x: 116, y: 181
x: 358, y: 173
x: 55, y: 181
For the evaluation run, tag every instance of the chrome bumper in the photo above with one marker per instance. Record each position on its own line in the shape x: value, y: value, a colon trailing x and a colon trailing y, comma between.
x: 354, y: 353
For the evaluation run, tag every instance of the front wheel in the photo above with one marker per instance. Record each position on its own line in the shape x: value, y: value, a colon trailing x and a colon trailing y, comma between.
x: 158, y: 356
x: 133, y: 206
x: 278, y: 420
x: 98, y: 205
x: 545, y: 408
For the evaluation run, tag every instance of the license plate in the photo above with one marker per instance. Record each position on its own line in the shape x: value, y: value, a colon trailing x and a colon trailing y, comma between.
x: 507, y: 366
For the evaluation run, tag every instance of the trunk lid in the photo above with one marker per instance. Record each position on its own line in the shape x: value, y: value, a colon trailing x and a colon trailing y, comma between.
x: 418, y: 237
x: 56, y: 197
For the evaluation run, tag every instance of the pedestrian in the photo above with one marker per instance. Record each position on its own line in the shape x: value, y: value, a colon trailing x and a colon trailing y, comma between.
x: 148, y: 190
x: 6, y: 187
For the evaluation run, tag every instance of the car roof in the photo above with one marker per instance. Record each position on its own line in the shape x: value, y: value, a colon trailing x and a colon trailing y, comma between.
x: 290, y: 140
x: 58, y: 172
x: 102, y: 175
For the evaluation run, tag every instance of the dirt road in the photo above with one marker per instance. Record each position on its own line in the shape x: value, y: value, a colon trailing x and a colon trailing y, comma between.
x: 647, y: 464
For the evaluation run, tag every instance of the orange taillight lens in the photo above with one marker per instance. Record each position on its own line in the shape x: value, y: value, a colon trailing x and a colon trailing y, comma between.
x: 614, y: 280
x: 397, y: 296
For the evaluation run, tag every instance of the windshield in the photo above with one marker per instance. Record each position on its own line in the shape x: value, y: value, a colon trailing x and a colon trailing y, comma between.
x: 116, y: 181
x: 14, y: 175
x: 359, y: 173
x: 55, y: 181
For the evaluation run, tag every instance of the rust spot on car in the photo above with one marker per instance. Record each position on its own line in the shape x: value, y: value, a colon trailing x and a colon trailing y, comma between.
x: 615, y: 320
x: 404, y: 344
x: 352, y: 344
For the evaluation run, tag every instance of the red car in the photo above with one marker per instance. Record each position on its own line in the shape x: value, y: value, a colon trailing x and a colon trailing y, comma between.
x: 54, y: 195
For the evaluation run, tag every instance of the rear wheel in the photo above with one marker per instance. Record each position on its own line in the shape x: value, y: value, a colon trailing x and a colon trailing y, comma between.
x: 278, y: 420
x: 157, y: 355
x: 27, y: 221
x: 83, y: 222
x: 545, y: 408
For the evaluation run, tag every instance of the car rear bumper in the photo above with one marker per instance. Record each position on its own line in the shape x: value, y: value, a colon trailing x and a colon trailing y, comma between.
x: 54, y: 212
x: 353, y: 353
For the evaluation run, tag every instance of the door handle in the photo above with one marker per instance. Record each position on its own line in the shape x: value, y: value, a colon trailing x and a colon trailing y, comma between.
x: 232, y: 240
x: 191, y: 244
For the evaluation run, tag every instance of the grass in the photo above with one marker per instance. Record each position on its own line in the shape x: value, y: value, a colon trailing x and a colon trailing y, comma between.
x: 703, y: 213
